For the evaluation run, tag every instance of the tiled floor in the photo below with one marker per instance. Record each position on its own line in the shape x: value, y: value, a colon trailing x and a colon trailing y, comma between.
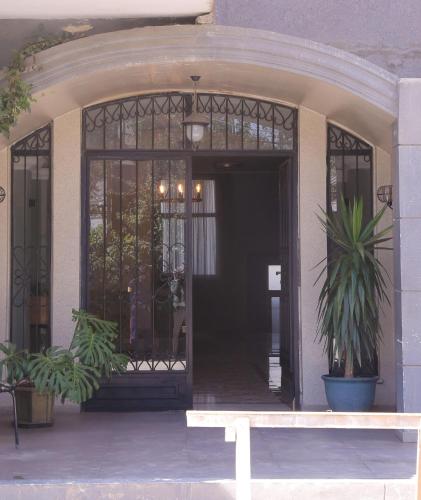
x: 123, y: 455
x: 227, y: 377
x: 157, y: 446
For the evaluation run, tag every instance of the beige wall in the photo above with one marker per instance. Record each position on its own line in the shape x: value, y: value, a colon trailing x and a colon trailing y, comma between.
x: 66, y: 232
x: 386, y: 390
x: 66, y: 224
x: 312, y: 194
x: 4, y: 244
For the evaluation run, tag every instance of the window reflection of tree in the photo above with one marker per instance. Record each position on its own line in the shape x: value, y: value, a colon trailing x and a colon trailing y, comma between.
x: 135, y: 260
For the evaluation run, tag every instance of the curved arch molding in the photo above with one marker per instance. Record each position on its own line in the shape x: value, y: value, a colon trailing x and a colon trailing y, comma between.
x: 345, y: 88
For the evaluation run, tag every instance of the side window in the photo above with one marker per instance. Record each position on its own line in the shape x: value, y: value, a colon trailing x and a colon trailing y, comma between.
x: 349, y: 173
x: 31, y: 241
x: 349, y: 170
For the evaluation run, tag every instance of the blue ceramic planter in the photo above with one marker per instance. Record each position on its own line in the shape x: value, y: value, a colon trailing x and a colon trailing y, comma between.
x: 350, y: 394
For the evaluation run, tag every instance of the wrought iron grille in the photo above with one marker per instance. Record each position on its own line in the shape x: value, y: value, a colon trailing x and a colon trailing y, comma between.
x: 349, y: 169
x: 31, y: 241
x: 154, y: 122
x: 136, y: 258
x: 349, y: 173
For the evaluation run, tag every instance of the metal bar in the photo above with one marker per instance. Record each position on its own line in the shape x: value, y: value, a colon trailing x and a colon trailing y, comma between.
x: 258, y: 127
x: 127, y: 154
x: 418, y: 470
x: 15, y: 417
x: 242, y: 459
x: 226, y: 121
x: 136, y: 287
x: 306, y: 420
x: 153, y: 125
x: 25, y: 287
x: 242, y: 124
x: 188, y: 256
x: 153, y: 262
x: 211, y: 124
x: 120, y: 244
x: 104, y: 235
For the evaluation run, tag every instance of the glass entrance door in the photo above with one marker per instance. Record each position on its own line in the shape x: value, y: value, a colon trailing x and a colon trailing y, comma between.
x: 137, y: 274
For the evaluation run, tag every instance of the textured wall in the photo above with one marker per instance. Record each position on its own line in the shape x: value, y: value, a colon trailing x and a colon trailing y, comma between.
x: 312, y: 193
x: 386, y: 32
x: 386, y: 391
x: 66, y: 230
x: 407, y: 234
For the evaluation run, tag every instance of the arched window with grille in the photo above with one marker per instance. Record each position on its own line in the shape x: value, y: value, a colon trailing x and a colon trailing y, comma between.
x: 350, y: 174
x: 31, y: 241
x: 349, y: 170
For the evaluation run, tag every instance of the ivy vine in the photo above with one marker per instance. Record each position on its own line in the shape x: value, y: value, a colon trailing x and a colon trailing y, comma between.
x: 16, y: 96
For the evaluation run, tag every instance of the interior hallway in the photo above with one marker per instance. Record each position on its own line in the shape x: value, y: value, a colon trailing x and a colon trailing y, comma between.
x: 227, y: 377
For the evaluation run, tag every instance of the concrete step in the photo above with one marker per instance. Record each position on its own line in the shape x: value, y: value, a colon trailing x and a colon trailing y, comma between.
x: 262, y: 489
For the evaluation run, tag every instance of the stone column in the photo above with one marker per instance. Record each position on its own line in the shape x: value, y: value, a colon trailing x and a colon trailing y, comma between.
x: 312, y: 195
x: 407, y: 245
x: 66, y: 229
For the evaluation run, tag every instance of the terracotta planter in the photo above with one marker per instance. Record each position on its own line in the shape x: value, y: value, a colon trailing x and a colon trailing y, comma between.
x: 33, y: 408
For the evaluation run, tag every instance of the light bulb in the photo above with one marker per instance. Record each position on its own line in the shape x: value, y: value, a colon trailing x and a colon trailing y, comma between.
x: 180, y: 189
x: 162, y: 190
x: 198, y: 188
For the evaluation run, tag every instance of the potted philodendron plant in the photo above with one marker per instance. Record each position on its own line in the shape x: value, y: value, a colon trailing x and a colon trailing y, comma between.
x: 348, y: 307
x: 72, y: 373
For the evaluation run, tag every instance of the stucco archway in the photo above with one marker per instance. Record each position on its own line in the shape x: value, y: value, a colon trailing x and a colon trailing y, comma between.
x: 323, y: 81
x: 345, y: 88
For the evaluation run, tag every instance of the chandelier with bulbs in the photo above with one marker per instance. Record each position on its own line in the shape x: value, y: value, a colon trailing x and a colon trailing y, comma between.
x: 164, y: 193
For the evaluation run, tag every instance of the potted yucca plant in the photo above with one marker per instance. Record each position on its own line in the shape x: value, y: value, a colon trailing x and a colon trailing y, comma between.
x: 348, y: 307
x: 71, y: 373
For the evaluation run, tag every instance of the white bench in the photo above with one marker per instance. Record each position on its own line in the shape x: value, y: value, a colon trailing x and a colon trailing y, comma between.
x: 237, y: 426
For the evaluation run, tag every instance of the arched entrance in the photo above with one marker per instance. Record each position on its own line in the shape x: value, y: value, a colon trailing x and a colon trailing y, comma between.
x: 155, y: 240
x: 323, y: 83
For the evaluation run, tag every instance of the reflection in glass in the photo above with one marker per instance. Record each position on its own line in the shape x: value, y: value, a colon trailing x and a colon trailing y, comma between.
x: 136, y: 264
x: 30, y: 298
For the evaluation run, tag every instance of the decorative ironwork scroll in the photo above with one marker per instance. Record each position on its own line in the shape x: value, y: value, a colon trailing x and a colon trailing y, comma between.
x: 154, y: 122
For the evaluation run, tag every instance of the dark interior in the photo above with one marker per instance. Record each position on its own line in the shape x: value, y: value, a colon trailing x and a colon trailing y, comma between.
x: 233, y: 321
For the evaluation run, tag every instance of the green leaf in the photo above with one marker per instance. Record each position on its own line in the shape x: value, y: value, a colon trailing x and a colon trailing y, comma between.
x: 353, y: 284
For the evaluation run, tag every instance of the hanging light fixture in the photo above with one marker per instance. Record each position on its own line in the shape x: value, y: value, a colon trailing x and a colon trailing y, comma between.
x: 163, y: 192
x: 195, y: 123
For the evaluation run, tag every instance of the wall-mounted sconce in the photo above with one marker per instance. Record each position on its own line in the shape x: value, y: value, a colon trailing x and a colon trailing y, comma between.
x: 195, y: 123
x: 385, y: 195
x: 2, y: 194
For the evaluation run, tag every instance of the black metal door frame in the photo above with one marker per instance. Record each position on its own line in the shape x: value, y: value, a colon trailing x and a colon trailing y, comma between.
x: 294, y: 283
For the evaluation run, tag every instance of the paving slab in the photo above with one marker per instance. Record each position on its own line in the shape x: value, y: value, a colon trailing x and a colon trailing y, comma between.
x: 154, y: 455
